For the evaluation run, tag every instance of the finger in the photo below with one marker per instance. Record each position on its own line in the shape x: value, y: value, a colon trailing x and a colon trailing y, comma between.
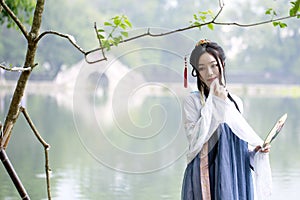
x: 213, y: 85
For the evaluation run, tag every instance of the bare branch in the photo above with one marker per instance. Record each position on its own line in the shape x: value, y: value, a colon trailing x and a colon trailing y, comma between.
x: 221, y: 3
x: 95, y: 61
x: 219, y: 12
x: 14, y: 18
x: 67, y: 36
x: 17, y: 69
x: 254, y: 24
x: 45, y: 145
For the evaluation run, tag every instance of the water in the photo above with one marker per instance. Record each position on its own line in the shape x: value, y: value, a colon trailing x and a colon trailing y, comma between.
x: 103, y: 150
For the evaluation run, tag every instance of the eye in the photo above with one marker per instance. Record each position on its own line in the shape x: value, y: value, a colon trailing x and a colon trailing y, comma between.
x: 214, y: 65
x: 201, y: 69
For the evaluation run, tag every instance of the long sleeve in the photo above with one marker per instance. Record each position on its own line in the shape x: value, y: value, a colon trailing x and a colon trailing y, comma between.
x: 200, y: 121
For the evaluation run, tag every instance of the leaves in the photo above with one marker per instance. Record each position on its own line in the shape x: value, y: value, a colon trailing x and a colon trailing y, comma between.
x: 117, y: 27
x: 22, y: 9
x: 295, y: 8
x: 200, y: 19
x: 280, y: 24
x: 272, y: 12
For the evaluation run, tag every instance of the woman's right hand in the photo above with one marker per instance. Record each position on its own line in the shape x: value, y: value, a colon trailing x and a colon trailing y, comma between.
x: 219, y: 90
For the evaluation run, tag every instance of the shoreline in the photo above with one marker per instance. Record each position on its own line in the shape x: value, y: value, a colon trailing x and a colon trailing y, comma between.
x: 241, y: 89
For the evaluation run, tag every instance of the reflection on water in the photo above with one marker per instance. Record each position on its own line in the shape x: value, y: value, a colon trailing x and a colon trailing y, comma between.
x: 93, y: 157
x: 286, y: 183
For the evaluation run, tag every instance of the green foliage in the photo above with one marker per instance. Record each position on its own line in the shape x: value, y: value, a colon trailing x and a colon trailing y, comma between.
x: 118, y: 27
x: 280, y: 24
x: 23, y: 10
x: 272, y: 12
x: 295, y: 8
x: 202, y: 18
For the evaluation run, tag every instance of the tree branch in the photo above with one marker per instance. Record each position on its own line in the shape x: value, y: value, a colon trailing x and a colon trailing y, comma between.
x: 148, y: 33
x: 14, y: 18
x: 37, y: 19
x: 254, y: 24
x: 101, y: 47
x: 67, y: 36
x: 17, y: 69
x: 45, y: 145
x: 221, y: 4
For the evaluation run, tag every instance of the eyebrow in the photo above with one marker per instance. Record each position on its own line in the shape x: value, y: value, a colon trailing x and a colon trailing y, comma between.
x: 208, y: 63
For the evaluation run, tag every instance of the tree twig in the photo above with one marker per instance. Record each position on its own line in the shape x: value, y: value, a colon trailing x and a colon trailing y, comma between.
x: 14, y: 18
x: 101, y: 48
x: 17, y: 69
x: 45, y: 145
x: 67, y: 36
x: 221, y: 4
x: 254, y: 24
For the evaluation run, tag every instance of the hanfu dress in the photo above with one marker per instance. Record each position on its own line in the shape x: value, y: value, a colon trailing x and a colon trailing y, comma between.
x: 221, y: 162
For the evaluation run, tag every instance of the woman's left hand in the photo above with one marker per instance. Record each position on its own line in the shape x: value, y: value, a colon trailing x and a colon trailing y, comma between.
x: 266, y: 149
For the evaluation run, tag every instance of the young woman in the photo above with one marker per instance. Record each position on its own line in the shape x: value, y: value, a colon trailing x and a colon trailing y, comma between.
x: 225, y: 159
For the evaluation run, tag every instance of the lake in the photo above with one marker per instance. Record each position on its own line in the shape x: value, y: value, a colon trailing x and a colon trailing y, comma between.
x: 130, y: 145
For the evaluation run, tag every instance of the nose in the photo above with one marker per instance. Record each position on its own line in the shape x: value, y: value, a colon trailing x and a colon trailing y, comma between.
x: 209, y: 71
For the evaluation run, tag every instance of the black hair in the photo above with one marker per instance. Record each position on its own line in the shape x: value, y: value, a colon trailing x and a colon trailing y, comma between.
x: 213, y: 49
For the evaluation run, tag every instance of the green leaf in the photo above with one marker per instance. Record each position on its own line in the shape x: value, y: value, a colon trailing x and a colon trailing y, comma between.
x: 282, y: 25
x: 123, y: 26
x: 117, y: 21
x: 107, y: 24
x: 128, y: 23
x: 203, y: 18
x: 210, y: 12
x: 100, y: 36
x: 125, y: 34
x: 210, y: 26
x: 196, y: 24
x: 100, y: 30
x: 268, y: 11
x: 275, y: 23
x: 195, y: 17
x: 295, y: 8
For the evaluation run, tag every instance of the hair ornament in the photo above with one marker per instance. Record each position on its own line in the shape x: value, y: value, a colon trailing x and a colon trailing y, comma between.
x: 202, y: 42
x: 185, y: 78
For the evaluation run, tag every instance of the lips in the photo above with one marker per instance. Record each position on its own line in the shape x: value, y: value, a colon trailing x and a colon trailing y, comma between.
x: 211, y: 79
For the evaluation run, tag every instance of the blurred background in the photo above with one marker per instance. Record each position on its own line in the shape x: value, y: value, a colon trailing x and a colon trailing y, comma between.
x: 115, y: 127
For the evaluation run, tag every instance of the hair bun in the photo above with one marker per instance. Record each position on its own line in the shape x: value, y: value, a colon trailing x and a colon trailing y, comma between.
x: 202, y: 42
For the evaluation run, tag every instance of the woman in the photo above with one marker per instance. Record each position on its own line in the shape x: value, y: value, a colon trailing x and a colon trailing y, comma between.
x: 221, y: 155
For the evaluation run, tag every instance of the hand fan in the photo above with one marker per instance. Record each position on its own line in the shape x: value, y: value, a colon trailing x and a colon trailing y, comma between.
x: 275, y: 130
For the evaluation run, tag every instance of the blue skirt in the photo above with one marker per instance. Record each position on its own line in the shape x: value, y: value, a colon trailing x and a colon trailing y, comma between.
x: 229, y: 169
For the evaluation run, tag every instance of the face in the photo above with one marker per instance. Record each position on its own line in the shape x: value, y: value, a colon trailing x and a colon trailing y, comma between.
x: 208, y: 69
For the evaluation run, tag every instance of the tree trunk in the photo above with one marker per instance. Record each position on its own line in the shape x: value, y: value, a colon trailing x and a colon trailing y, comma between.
x: 13, y: 111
